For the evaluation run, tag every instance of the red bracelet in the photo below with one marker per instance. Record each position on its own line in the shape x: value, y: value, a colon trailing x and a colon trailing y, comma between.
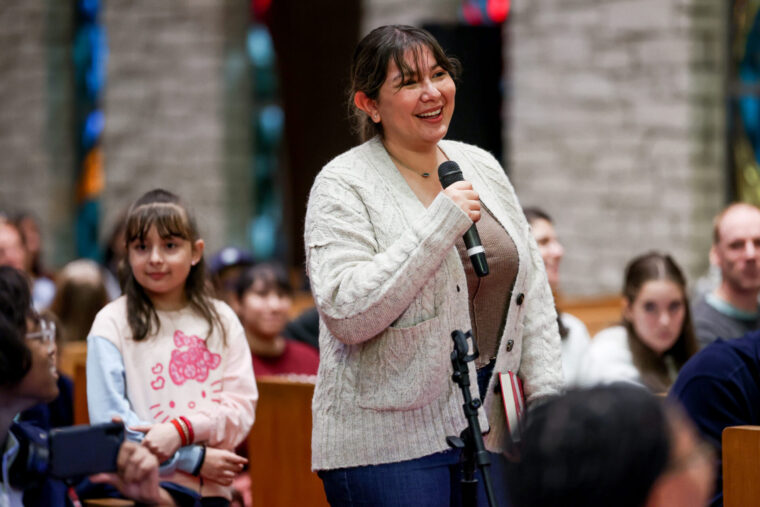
x: 184, y: 428
x: 181, y: 432
x: 190, y: 432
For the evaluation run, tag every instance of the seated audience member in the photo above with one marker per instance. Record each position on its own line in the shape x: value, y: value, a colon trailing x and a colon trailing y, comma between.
x: 60, y: 411
x: 613, y: 445
x: 720, y: 387
x: 13, y: 253
x: 264, y: 299
x: 573, y: 332
x: 656, y: 337
x: 27, y: 377
x: 57, y: 413
x: 114, y: 252
x: 80, y: 294
x: 29, y: 226
x: 731, y: 310
x: 304, y: 328
x: 225, y: 267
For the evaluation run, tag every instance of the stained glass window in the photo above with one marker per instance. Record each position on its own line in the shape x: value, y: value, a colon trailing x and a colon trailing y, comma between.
x: 744, y: 101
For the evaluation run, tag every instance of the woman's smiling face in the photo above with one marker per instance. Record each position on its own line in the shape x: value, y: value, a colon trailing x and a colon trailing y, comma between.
x: 415, y: 111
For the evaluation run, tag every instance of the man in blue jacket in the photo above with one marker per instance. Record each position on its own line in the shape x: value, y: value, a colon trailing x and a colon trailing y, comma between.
x: 720, y: 387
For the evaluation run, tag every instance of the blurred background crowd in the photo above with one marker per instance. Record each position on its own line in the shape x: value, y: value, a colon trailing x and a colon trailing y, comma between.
x: 629, y: 121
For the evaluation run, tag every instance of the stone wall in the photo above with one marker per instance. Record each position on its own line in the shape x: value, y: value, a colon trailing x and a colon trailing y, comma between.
x: 613, y: 119
x: 175, y: 101
x: 36, y: 138
x: 166, y: 108
x: 615, y: 127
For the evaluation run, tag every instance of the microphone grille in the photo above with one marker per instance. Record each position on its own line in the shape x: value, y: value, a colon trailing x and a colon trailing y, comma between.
x: 449, y: 172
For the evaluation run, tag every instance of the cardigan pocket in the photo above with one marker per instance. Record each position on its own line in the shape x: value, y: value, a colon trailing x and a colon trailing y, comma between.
x: 404, y: 368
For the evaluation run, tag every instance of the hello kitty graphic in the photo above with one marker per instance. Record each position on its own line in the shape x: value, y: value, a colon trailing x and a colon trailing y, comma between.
x: 191, y: 360
x: 192, y: 363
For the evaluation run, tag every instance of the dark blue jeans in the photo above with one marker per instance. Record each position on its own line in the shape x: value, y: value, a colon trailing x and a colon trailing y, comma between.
x: 432, y: 481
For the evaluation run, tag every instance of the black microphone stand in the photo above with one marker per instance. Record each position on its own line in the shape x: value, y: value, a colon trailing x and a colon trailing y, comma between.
x: 471, y: 439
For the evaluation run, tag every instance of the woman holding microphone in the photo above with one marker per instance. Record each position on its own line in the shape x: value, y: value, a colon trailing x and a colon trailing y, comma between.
x: 391, y: 280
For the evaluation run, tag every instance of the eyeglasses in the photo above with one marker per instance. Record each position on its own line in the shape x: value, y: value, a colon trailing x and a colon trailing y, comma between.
x: 45, y: 335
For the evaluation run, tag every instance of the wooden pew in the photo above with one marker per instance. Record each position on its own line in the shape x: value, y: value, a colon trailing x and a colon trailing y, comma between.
x: 741, y: 466
x: 596, y: 312
x: 279, y: 446
x: 70, y: 355
x: 301, y: 302
x: 73, y: 362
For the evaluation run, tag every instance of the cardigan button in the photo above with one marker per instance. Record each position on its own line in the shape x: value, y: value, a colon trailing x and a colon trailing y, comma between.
x: 457, y: 288
x: 510, y: 345
x: 520, y: 298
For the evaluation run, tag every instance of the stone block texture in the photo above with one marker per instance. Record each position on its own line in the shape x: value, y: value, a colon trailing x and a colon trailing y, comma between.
x: 614, y: 123
x: 613, y: 118
x: 175, y: 101
x: 36, y: 139
x: 165, y: 108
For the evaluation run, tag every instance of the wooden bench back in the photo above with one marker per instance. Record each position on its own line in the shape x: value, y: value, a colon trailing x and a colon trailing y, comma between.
x: 73, y: 362
x: 741, y: 466
x: 596, y: 312
x: 279, y: 446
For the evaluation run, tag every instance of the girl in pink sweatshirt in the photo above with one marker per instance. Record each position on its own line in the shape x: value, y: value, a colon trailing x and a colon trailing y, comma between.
x: 171, y: 361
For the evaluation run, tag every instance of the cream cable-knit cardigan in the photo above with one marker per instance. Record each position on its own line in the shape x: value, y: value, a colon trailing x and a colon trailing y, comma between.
x: 390, y: 289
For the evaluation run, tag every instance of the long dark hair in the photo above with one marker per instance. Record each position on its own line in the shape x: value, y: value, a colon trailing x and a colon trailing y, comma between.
x: 369, y: 67
x: 272, y: 275
x: 79, y: 296
x: 654, y: 368
x: 164, y: 210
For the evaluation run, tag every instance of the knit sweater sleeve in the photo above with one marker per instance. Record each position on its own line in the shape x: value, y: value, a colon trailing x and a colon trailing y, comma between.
x: 360, y: 288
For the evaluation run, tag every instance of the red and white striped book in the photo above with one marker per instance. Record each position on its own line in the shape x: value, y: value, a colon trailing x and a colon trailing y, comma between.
x: 514, y: 402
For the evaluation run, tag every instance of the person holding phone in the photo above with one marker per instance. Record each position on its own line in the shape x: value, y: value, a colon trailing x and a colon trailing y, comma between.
x: 27, y: 377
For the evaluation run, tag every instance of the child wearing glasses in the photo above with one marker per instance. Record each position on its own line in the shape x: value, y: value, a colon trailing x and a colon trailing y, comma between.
x: 28, y: 376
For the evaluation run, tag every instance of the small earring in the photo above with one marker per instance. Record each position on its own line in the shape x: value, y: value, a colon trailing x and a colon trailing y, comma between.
x: 375, y: 117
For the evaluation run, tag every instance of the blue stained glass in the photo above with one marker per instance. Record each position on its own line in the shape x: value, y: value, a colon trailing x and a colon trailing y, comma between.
x: 89, y: 55
x: 263, y: 235
x: 271, y: 123
x: 260, y: 46
x: 89, y: 9
x: 87, y: 220
x: 93, y: 128
x: 744, y: 86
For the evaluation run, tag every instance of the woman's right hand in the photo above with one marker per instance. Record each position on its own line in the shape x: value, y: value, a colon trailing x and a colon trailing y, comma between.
x: 464, y: 196
x: 221, y: 465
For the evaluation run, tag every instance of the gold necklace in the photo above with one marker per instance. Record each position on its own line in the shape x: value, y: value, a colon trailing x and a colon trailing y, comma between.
x: 401, y: 164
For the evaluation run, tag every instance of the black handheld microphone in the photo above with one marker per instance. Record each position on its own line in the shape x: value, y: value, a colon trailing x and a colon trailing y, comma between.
x: 449, y: 173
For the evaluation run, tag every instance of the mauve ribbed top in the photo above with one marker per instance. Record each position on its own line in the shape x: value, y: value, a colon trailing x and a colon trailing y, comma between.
x: 489, y: 295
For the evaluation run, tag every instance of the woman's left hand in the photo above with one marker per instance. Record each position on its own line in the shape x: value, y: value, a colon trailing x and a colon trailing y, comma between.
x: 163, y: 440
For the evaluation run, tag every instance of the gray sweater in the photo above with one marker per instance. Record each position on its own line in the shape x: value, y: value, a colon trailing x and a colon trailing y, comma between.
x: 390, y: 288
